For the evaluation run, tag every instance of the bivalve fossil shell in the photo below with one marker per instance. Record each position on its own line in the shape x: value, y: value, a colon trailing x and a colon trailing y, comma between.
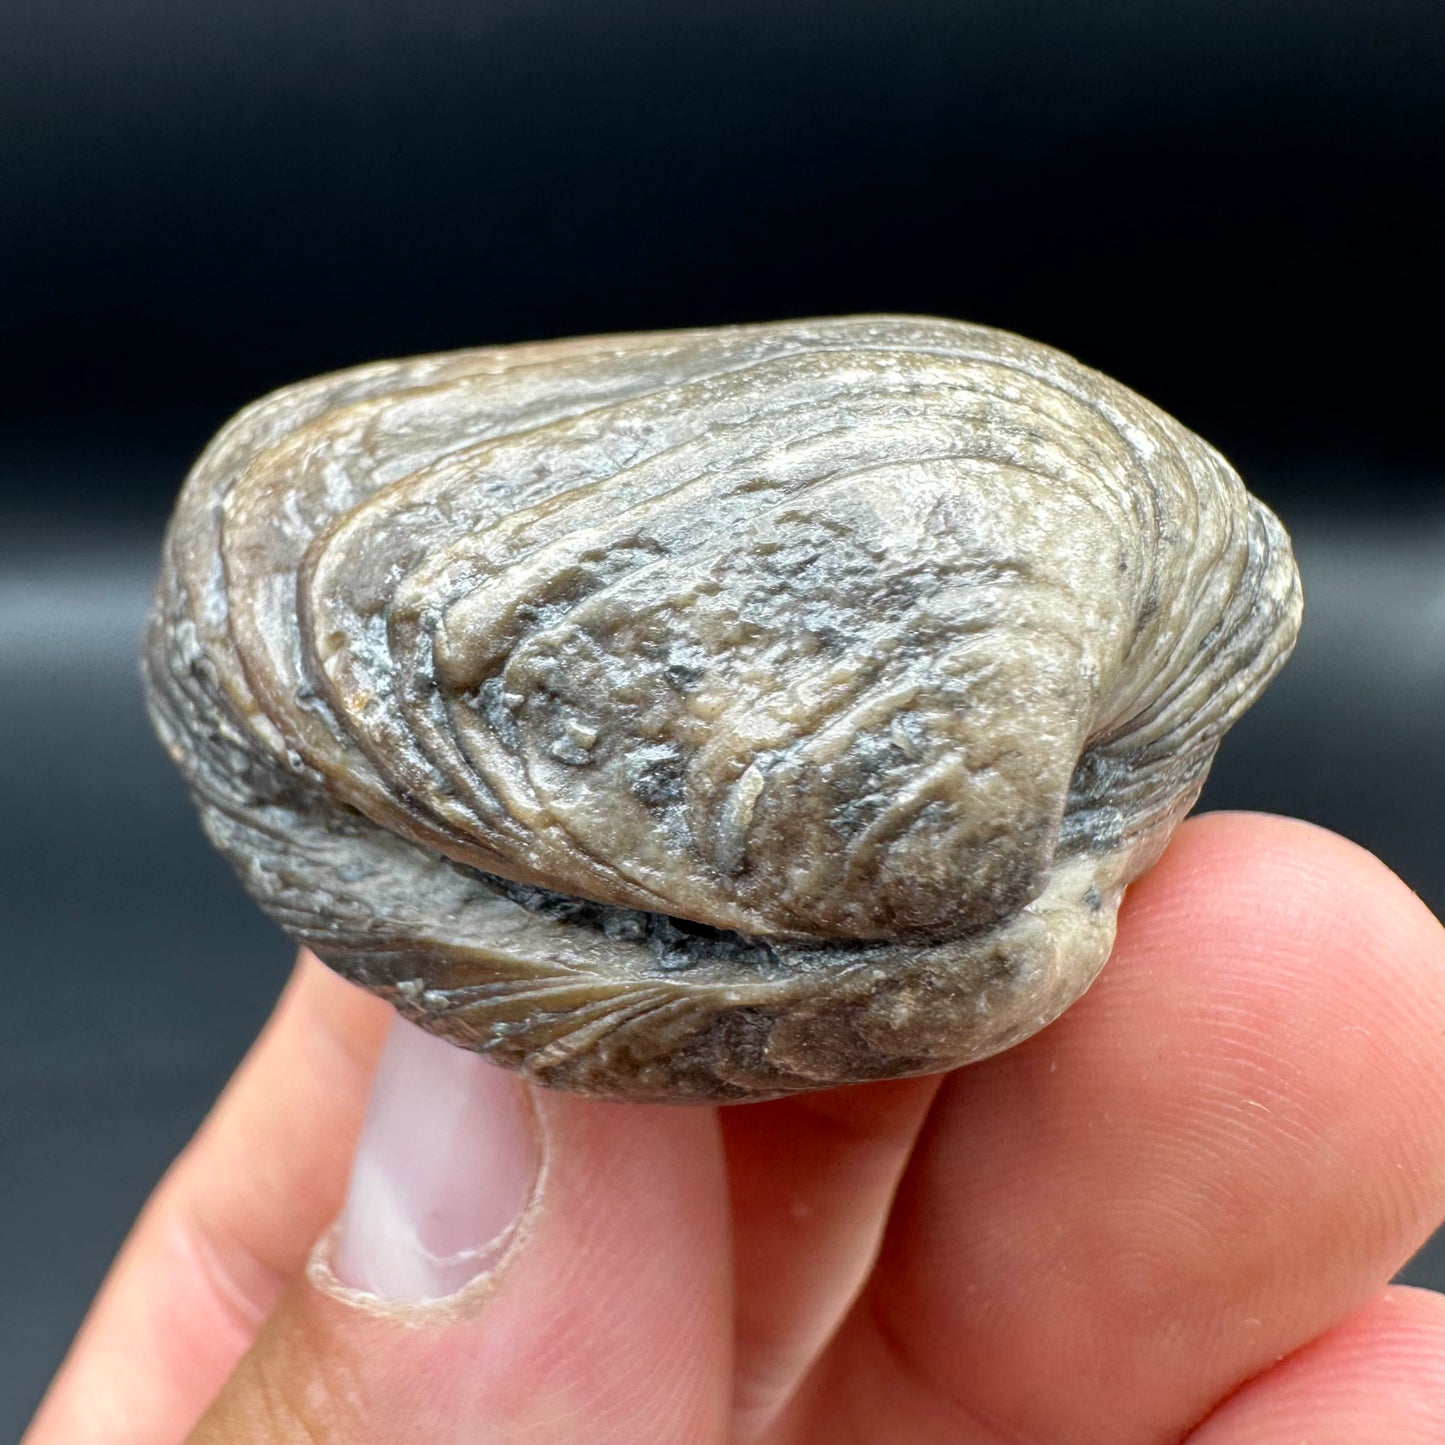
x: 715, y: 714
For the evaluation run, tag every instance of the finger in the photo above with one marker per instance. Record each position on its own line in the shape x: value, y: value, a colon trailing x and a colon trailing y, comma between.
x: 508, y: 1266
x: 231, y: 1222
x: 1230, y: 1143
x: 1376, y: 1379
x: 812, y: 1180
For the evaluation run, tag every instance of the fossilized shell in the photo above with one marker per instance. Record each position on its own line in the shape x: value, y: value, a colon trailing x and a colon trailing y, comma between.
x: 712, y: 714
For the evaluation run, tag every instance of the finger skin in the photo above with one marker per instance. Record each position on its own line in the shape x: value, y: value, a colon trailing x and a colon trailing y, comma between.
x: 237, y: 1215
x: 609, y: 1319
x: 812, y: 1179
x: 1231, y: 1143
x: 1376, y: 1379
x: 231, y: 1223
x: 169, y: 1322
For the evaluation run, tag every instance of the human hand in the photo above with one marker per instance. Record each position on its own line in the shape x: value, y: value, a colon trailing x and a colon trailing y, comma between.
x: 1170, y: 1216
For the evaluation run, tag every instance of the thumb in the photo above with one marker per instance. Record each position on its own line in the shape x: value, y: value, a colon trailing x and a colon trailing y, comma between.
x: 510, y: 1264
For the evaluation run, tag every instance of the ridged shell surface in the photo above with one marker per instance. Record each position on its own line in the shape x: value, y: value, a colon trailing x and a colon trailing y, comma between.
x: 713, y: 714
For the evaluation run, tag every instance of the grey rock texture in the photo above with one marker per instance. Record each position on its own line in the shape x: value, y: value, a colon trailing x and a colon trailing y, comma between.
x: 712, y: 715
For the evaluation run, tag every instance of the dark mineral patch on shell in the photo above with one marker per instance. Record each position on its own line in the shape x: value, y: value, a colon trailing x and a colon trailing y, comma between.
x: 713, y: 714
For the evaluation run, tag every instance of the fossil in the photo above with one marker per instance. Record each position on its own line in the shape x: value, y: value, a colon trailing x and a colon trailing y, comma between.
x: 715, y: 714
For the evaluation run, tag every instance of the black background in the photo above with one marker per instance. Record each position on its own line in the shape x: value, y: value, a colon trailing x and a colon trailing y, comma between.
x: 1231, y: 205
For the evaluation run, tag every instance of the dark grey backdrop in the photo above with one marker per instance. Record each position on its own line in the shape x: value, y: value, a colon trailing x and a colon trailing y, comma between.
x: 1230, y: 205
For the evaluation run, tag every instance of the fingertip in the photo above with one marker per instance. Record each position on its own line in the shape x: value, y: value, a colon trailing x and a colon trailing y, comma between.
x: 1231, y: 1142
x: 1298, y: 985
x: 605, y: 1315
x: 1298, y: 874
x: 1377, y: 1376
x: 1287, y: 925
x: 336, y: 1008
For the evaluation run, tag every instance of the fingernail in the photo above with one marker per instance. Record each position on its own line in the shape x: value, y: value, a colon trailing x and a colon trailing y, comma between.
x: 448, y: 1158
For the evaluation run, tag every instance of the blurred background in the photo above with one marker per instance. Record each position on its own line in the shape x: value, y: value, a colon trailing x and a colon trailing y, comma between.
x: 1232, y: 205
